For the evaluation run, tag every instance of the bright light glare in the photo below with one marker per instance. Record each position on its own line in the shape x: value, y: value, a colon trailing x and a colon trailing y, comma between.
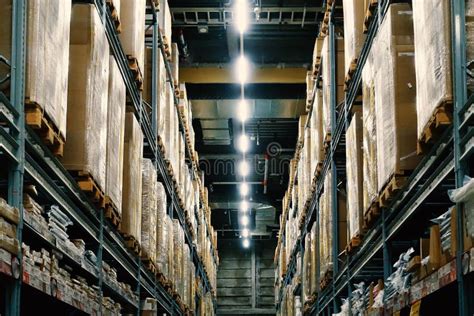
x: 243, y: 110
x: 246, y: 243
x: 241, y: 12
x: 244, y: 206
x: 244, y: 189
x: 245, y: 220
x: 243, y: 143
x: 242, y: 69
x: 244, y: 168
x: 245, y: 232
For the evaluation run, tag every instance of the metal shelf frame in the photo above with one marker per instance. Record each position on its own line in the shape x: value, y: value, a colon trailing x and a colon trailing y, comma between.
x: 31, y: 161
x: 449, y: 158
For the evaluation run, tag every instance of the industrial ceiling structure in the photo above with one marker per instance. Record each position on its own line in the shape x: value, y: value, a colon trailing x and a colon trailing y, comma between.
x: 279, y: 45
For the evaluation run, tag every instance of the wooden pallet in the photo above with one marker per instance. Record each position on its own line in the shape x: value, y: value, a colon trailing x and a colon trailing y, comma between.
x: 89, y: 186
x: 316, y: 65
x: 394, y: 184
x: 350, y: 73
x: 36, y: 118
x: 325, y: 280
x: 354, y: 243
x: 441, y: 118
x: 327, y: 142
x: 131, y: 243
x: 111, y: 213
x: 371, y: 214
x: 167, y: 47
x: 136, y: 71
x: 148, y: 263
x: 317, y: 172
x: 369, y: 14
x: 115, y: 16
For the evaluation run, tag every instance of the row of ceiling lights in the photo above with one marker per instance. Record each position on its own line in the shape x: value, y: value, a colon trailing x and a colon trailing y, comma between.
x: 241, y: 12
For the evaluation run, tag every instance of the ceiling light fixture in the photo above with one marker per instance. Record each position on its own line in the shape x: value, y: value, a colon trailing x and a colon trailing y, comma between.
x: 241, y: 15
x: 246, y: 243
x: 244, y: 220
x: 243, y: 110
x: 244, y: 168
x: 245, y: 232
x: 242, y: 69
x: 244, y: 189
x: 244, y: 206
x: 243, y: 143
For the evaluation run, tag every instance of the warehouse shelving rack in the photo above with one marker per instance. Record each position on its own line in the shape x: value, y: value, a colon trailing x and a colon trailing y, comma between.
x: 443, y: 166
x: 31, y: 162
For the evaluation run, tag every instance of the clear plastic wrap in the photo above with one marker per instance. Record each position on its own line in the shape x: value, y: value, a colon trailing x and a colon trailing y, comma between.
x: 354, y: 37
x: 354, y: 176
x: 309, y: 89
x: 185, y: 277
x: 87, y: 94
x: 170, y: 254
x: 314, y: 259
x: 115, y: 135
x: 162, y: 233
x: 317, y: 150
x: 160, y: 88
x: 149, y: 209
x: 178, y: 243
x: 339, y: 80
x: 369, y: 143
x: 325, y: 230
x: 132, y: 178
x: 395, y: 95
x: 306, y: 279
x: 132, y: 36
x: 465, y: 194
x: 432, y: 33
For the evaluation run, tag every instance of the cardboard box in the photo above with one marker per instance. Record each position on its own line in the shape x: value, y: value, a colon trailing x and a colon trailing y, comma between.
x: 87, y: 95
x: 132, y: 36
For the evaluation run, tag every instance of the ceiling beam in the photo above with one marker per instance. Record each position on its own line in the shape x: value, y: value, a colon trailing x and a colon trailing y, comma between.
x: 215, y: 74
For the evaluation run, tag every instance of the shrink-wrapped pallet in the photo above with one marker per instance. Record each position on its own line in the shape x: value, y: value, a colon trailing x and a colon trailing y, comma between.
x: 132, y: 178
x: 355, y: 213
x: 395, y: 95
x: 47, y: 59
x: 115, y: 135
x: 326, y: 78
x: 369, y: 134
x: 306, y: 279
x: 308, y: 174
x: 178, y: 244
x: 314, y: 259
x: 318, y: 45
x: 160, y: 87
x: 354, y: 37
x: 186, y: 284
x: 132, y: 36
x: 170, y: 254
x: 164, y: 20
x: 149, y: 210
x: 162, y: 233
x: 432, y: 33
x: 175, y: 64
x: 87, y: 95
x: 326, y: 227
x: 470, y: 43
x: 317, y: 150
x: 301, y: 127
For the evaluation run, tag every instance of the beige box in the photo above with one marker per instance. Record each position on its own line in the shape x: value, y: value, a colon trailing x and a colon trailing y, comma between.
x: 354, y: 176
x: 132, y: 36
x: 354, y: 37
x: 87, y: 95
x: 132, y: 178
x: 149, y: 210
x: 115, y: 135
x: 317, y: 149
x: 47, y: 59
x: 395, y: 95
x: 432, y: 38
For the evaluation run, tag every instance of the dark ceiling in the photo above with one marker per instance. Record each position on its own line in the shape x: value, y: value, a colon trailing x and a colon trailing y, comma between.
x: 284, y: 34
